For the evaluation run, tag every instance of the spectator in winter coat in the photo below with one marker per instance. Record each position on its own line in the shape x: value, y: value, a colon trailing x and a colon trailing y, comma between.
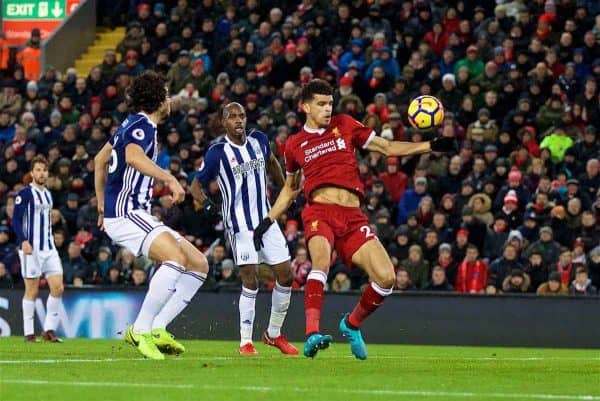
x: 582, y: 285
x: 398, y: 249
x: 355, y: 54
x: 417, y: 266
x: 447, y: 262
x: 471, y: 277
x: 510, y: 210
x: 482, y: 204
x: 565, y: 267
x: 503, y: 266
x: 516, y: 282
x: 411, y: 199
x: 535, y: 268
x: 553, y: 287
x: 550, y: 249
x: 475, y: 227
x: 403, y: 282
x: 438, y: 282
x: 394, y: 180
x: 515, y: 184
x: 495, y: 238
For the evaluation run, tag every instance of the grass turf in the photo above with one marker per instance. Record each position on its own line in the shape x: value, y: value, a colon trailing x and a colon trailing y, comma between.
x: 103, y: 370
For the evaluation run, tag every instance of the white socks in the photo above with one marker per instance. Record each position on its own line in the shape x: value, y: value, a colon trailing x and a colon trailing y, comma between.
x: 185, y: 289
x: 280, y: 301
x: 52, y: 313
x: 162, y: 287
x: 28, y: 313
x: 246, y: 304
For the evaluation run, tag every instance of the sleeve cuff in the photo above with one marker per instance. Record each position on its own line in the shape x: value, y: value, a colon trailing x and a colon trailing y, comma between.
x: 369, y: 139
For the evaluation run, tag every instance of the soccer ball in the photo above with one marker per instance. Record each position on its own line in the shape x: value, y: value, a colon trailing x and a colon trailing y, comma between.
x: 425, y: 112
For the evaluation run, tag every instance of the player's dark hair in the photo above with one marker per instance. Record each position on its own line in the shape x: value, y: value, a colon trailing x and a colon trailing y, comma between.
x: 38, y: 159
x: 316, y: 87
x: 147, y: 92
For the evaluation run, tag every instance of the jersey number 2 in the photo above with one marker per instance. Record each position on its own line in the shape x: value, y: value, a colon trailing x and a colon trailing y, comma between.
x: 368, y: 232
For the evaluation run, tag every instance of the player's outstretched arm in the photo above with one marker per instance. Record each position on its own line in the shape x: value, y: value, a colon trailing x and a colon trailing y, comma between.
x: 100, y: 166
x: 200, y: 196
x: 288, y: 194
x: 397, y: 148
x: 197, y: 191
x: 136, y: 158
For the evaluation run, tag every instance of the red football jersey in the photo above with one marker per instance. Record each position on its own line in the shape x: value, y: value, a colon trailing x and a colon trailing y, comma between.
x: 327, y: 156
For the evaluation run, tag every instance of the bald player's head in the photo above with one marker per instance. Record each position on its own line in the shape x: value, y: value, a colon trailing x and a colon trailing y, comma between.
x: 234, y: 121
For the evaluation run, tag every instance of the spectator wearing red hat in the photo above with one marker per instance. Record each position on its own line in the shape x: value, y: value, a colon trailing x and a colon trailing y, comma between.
x: 472, y: 62
x: 515, y: 184
x: 130, y: 64
x: 471, y: 277
x: 287, y: 66
x: 459, y: 247
x: 510, y: 210
x: 394, y: 180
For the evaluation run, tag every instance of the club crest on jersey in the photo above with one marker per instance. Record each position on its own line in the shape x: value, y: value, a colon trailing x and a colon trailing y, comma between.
x: 138, y: 134
x: 314, y: 225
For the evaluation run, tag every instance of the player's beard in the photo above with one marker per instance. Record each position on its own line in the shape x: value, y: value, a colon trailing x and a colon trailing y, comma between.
x: 164, y: 111
x: 41, y: 181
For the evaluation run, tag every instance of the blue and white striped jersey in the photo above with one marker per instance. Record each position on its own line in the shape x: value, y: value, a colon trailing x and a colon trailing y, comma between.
x: 241, y: 175
x: 126, y: 188
x: 31, y: 218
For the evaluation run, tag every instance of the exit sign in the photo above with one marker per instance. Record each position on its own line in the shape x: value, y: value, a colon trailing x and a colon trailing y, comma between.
x: 21, y: 16
x: 29, y: 9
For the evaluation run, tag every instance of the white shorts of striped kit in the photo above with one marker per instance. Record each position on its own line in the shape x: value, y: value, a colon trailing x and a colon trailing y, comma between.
x: 40, y: 262
x: 274, y: 251
x: 136, y: 231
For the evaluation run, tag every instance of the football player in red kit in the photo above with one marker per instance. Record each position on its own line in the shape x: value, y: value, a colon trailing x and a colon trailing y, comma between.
x: 324, y: 151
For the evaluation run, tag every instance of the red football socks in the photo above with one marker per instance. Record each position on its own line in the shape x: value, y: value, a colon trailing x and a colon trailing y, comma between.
x: 313, y: 303
x: 369, y: 301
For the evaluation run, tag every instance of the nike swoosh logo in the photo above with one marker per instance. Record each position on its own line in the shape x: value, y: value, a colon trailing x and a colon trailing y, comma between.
x: 303, y: 144
x: 156, y: 335
x: 171, y: 289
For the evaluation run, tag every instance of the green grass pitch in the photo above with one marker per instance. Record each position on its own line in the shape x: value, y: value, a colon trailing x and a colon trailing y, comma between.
x: 82, y: 370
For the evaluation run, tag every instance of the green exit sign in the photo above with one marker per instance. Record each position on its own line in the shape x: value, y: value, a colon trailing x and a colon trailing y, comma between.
x: 33, y: 9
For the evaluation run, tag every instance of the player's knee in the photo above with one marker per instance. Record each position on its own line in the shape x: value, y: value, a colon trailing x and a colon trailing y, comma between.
x: 386, y: 279
x: 57, y: 291
x: 31, y: 293
x: 198, y: 263
x: 248, y: 277
x: 285, y: 278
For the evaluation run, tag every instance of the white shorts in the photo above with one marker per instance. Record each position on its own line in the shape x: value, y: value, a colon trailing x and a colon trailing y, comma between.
x: 136, y: 231
x: 274, y: 251
x: 46, y: 262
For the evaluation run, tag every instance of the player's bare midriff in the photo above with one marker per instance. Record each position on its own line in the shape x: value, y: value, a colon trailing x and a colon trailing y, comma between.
x: 335, y: 196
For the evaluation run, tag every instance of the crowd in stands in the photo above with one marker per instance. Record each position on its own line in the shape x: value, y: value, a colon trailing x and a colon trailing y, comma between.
x: 515, y: 209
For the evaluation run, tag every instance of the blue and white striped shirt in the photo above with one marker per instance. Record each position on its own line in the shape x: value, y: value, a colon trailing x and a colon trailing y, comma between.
x: 126, y: 188
x: 31, y: 218
x: 241, y: 175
